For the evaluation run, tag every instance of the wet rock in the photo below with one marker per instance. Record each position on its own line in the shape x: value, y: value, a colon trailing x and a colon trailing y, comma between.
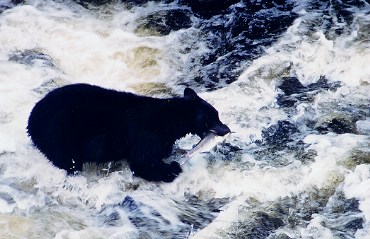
x: 338, y: 125
x: 149, y: 222
x: 263, y: 220
x: 235, y: 33
x: 355, y: 224
x: 279, y: 133
x: 343, y: 214
x: 8, y: 4
x: 358, y: 156
x: 7, y: 198
x: 144, y: 217
x: 291, y: 85
x: 299, y: 209
x: 50, y: 85
x: 344, y: 205
x: 208, y: 8
x: 295, y: 92
x: 165, y: 21
x: 286, y: 102
x: 324, y: 84
x: 264, y: 224
x: 32, y: 58
x: 262, y: 28
x: 129, y: 204
x: 133, y: 3
x: 199, y: 212
x: 140, y: 2
x: 342, y: 119
x: 236, y: 37
x: 228, y: 151
x: 281, y: 144
x: 113, y: 219
x: 259, y: 225
x: 341, y: 126
x: 338, y: 16
x: 85, y: 3
x: 257, y: 5
x: 153, y: 89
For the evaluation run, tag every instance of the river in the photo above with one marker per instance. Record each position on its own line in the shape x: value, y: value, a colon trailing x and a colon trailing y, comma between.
x: 291, y: 78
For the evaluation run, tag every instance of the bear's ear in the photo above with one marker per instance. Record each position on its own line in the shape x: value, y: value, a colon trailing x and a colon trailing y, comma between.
x: 190, y: 94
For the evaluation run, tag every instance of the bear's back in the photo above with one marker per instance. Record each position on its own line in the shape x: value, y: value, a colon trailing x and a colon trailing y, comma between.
x: 78, y: 109
x: 83, y: 96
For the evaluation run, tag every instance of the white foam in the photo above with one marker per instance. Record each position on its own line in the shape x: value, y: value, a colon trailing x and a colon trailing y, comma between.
x: 363, y: 126
x: 309, y: 56
x: 357, y: 185
x: 89, y: 49
x: 315, y: 229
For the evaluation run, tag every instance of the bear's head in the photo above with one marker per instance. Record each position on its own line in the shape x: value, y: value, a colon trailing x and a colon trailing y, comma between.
x: 206, y: 116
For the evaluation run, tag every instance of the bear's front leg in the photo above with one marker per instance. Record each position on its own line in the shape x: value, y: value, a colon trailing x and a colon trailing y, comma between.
x: 156, y: 171
x: 146, y: 159
x: 148, y: 164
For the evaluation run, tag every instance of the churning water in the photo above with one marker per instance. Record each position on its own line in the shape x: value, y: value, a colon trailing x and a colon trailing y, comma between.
x: 290, y: 78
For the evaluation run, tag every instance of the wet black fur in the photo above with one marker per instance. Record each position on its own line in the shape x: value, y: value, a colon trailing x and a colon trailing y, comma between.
x: 83, y: 123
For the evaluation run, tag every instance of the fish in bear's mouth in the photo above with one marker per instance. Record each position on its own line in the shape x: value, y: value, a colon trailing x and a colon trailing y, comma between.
x: 207, y: 142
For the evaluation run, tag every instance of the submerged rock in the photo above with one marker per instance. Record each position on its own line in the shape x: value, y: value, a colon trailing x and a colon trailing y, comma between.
x: 199, y: 212
x: 338, y: 16
x: 341, y: 119
x: 338, y: 125
x: 358, y: 156
x: 236, y: 37
x: 164, y: 22
x: 85, y: 3
x: 6, y: 197
x: 279, y: 133
x: 291, y: 85
x: 258, y: 223
x: 208, y: 8
x: 341, y: 126
x: 50, y: 85
x: 153, y: 88
x: 129, y: 204
x: 32, y: 57
x: 140, y: 215
x: 194, y: 213
x: 295, y: 92
x: 7, y: 4
x: 355, y: 224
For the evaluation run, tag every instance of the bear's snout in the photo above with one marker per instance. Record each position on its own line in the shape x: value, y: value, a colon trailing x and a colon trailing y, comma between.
x: 220, y: 129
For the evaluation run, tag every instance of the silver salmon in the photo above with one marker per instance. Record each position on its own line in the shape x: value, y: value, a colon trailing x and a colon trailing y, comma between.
x: 205, y: 145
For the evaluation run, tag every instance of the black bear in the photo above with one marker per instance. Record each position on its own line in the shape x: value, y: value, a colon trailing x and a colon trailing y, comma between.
x: 82, y: 123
